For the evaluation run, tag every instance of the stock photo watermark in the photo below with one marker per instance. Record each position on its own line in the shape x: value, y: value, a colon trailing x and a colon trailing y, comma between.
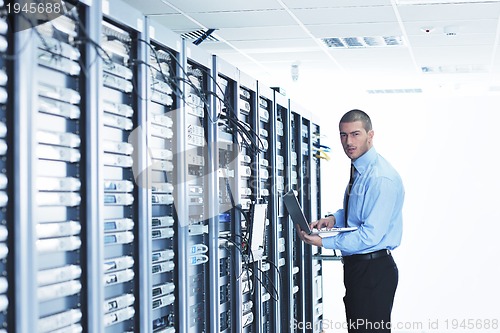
x: 432, y: 324
x: 35, y: 12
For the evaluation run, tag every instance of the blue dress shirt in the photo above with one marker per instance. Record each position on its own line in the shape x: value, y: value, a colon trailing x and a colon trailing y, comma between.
x: 375, y: 207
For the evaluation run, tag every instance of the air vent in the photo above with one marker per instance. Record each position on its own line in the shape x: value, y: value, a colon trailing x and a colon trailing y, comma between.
x: 458, y: 69
x: 363, y: 42
x: 197, y: 34
x: 395, y: 91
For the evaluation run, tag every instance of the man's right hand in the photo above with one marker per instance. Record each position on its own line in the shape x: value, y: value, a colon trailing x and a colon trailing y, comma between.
x: 327, y: 222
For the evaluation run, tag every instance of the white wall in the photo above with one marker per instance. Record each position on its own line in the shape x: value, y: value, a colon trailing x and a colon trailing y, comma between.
x: 446, y: 150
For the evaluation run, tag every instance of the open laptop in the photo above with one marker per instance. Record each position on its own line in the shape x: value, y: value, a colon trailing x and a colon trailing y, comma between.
x: 298, y: 218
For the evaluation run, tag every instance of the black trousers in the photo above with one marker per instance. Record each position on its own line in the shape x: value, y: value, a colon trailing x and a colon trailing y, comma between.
x: 370, y: 288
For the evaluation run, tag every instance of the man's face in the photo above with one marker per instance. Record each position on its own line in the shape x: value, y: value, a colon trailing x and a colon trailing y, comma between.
x: 355, y: 139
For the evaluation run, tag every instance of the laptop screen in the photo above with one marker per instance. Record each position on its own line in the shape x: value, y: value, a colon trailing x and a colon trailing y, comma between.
x: 295, y: 211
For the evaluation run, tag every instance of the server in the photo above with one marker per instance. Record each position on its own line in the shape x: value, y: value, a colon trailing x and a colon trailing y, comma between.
x: 5, y: 174
x: 141, y: 182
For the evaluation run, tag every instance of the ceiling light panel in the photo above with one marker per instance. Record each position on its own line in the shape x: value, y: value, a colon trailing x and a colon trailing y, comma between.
x: 363, y: 42
x: 455, y: 69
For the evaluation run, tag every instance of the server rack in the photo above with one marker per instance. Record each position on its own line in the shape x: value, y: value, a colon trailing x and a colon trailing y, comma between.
x: 227, y: 223
x: 310, y: 204
x: 279, y: 222
x: 125, y: 201
x: 198, y: 220
x: 6, y: 153
x: 46, y: 216
x: 267, y: 268
x: 315, y: 214
x: 297, y: 252
x: 250, y: 191
x: 163, y: 111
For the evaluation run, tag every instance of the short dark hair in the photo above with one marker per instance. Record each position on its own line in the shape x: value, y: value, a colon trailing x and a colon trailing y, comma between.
x: 357, y: 115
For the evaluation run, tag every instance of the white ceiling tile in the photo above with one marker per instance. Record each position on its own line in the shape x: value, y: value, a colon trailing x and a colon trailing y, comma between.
x: 443, y: 41
x: 442, y: 12
x: 262, y: 33
x: 200, y: 6
x: 365, y: 58
x: 151, y: 6
x: 453, y: 55
x: 278, y: 45
x: 345, y: 15
x: 355, y: 29
x: 464, y: 26
x: 177, y: 22
x: 289, y: 57
x: 244, y: 19
x: 337, y: 3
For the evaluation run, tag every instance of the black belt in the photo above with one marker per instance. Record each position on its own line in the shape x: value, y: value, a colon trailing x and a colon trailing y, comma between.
x: 366, y: 256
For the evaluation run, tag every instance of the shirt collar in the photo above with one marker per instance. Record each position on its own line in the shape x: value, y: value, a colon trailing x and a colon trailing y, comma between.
x: 364, y: 161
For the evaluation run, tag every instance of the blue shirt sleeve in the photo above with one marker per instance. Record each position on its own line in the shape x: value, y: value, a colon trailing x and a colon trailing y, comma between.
x: 375, y: 218
x: 339, y: 218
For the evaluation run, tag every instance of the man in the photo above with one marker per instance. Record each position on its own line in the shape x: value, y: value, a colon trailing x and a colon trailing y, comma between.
x: 373, y: 203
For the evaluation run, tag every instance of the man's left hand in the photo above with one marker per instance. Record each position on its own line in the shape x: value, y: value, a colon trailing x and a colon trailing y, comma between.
x: 309, y: 239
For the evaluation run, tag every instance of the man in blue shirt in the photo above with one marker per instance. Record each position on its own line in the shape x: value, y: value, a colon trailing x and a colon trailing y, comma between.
x: 373, y: 203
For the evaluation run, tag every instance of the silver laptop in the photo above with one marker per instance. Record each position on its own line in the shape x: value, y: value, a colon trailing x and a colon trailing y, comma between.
x: 299, y: 220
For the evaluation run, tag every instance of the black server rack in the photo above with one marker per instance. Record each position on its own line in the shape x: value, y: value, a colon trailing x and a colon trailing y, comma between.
x: 5, y: 174
x: 120, y: 114
x: 57, y: 174
x: 310, y: 203
x: 267, y: 268
x: 163, y: 108
x: 195, y: 256
x: 281, y: 318
x: 227, y: 225
x: 250, y: 191
x: 297, y: 252
x: 315, y: 214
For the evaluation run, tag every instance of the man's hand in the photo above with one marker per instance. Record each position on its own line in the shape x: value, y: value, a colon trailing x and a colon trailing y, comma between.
x: 309, y: 239
x: 327, y: 222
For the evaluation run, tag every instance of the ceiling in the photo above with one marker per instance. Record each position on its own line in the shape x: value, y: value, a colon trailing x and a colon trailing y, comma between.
x: 436, y: 42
